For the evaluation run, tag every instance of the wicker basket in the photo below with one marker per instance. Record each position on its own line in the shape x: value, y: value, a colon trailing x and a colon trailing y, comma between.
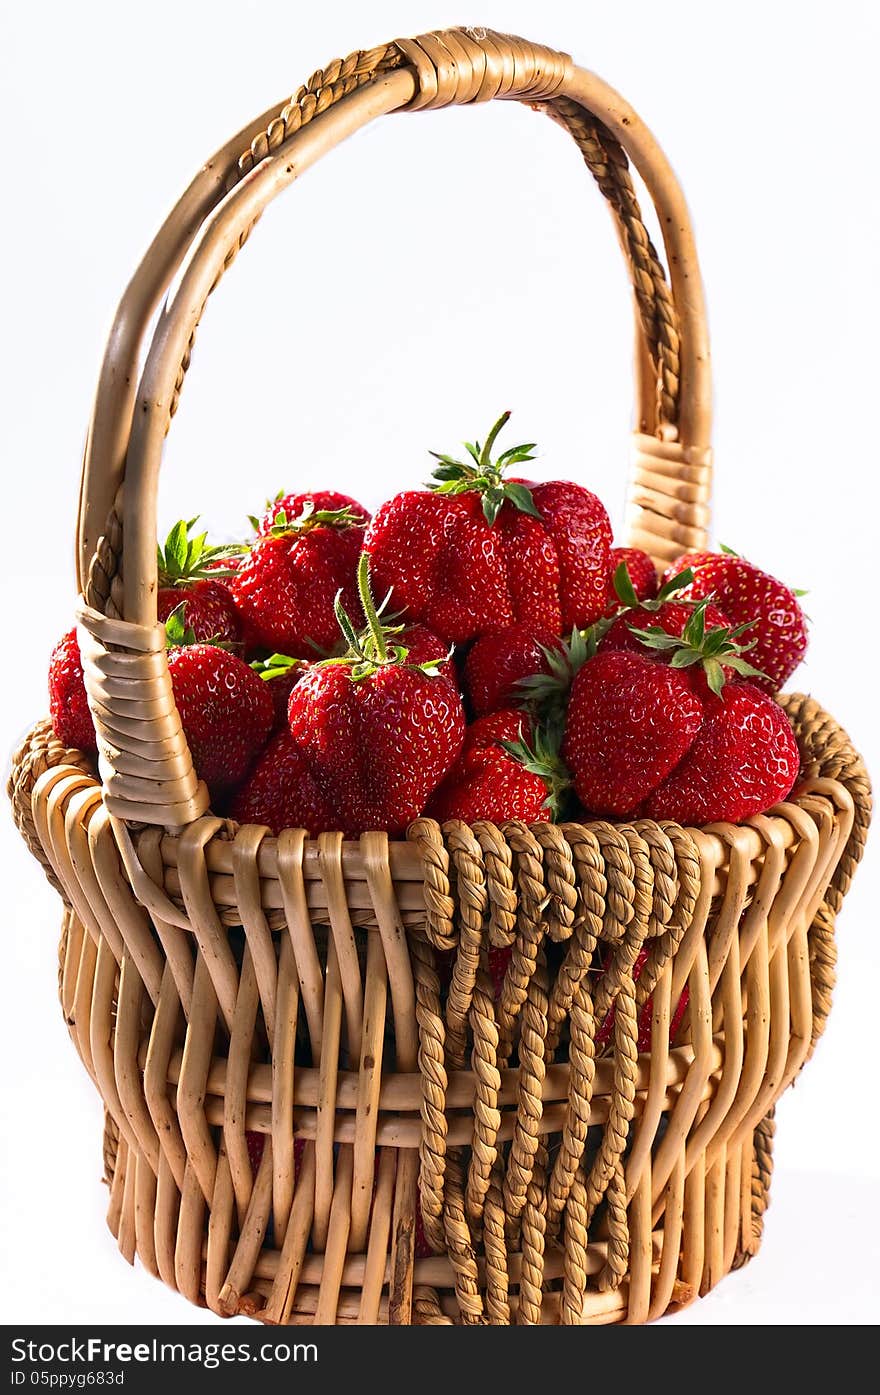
x: 216, y: 979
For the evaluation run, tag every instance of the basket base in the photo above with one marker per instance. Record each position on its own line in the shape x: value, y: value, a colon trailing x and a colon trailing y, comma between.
x: 714, y: 1222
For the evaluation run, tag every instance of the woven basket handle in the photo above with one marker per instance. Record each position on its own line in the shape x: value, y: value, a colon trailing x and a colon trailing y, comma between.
x: 145, y: 764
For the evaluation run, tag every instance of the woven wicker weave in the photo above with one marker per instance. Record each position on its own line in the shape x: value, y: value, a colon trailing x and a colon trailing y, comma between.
x: 217, y: 980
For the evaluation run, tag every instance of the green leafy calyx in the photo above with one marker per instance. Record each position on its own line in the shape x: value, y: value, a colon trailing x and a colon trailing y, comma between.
x: 177, y: 633
x: 185, y: 559
x: 311, y: 518
x: 375, y: 646
x: 276, y: 666
x: 486, y: 476
x: 715, y: 649
x: 541, y: 757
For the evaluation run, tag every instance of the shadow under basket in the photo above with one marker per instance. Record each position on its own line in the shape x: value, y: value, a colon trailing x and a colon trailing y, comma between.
x: 320, y: 1108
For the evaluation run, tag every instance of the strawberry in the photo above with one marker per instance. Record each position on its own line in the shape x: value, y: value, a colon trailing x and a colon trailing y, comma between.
x: 192, y: 571
x: 378, y: 733
x: 282, y: 674
x: 640, y: 570
x: 743, y: 760
x: 478, y: 552
x: 499, y: 660
x: 225, y: 708
x: 316, y: 500
x: 424, y: 647
x: 256, y: 1146
x: 630, y: 721
x: 659, y: 733
x: 68, y: 704
x: 745, y: 593
x: 280, y: 792
x: 286, y: 588
x: 499, y: 776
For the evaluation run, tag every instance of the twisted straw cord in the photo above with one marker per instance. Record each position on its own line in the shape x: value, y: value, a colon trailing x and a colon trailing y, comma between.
x: 620, y: 876
x: 617, y: 1257
x: 39, y: 751
x: 534, y: 1228
x: 103, y: 589
x: 592, y: 888
x: 608, y: 164
x: 581, y: 1076
x: 495, y: 1250
x: 487, y: 1115
x: 827, y: 751
x: 762, y: 1172
x: 503, y: 903
x: 110, y: 1147
x: 529, y: 1093
x: 432, y: 1069
x: 460, y: 1248
x: 561, y: 880
x: 529, y: 930
x: 471, y: 902
x: 324, y: 87
x: 439, y: 904
x: 823, y: 964
x: 623, y: 1090
x: 676, y: 868
x: 426, y: 1310
x: 763, y: 1165
x: 574, y: 1281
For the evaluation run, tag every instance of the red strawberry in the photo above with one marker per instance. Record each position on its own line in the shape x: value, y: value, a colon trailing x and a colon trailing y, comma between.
x: 286, y: 589
x: 377, y: 733
x: 68, y: 704
x: 642, y: 574
x: 743, y: 760
x: 499, y: 958
x: 424, y: 647
x: 631, y: 719
x: 659, y: 732
x: 280, y: 792
x: 256, y: 1146
x: 192, y: 571
x: 745, y: 593
x: 498, y: 661
x: 281, y: 674
x: 316, y: 500
x: 225, y: 708
x: 478, y: 552
x: 422, y: 1248
x: 498, y: 776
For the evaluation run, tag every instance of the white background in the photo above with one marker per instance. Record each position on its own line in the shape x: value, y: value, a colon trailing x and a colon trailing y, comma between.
x: 434, y: 271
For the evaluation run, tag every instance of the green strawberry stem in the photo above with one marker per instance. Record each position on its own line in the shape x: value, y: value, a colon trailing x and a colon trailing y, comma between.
x: 368, y: 651
x: 373, y: 622
x: 486, y: 476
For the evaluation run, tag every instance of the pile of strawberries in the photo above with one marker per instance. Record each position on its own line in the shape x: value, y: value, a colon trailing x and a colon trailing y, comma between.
x: 475, y: 650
